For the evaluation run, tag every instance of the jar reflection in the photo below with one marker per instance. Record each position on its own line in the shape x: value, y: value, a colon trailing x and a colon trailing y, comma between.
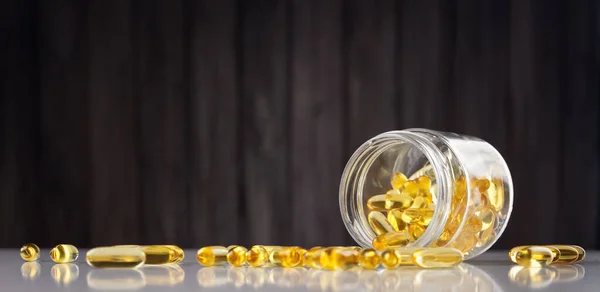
x: 115, y: 279
x: 537, y: 278
x: 163, y: 275
x: 64, y: 274
x: 30, y: 270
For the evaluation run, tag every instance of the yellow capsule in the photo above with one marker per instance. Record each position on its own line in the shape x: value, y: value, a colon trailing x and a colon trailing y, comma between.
x: 411, y: 188
x: 257, y: 256
x: 415, y: 231
x: 420, y: 202
x: 376, y: 203
x: 473, y: 225
x: 424, y: 184
x: 394, y: 217
x: 178, y: 251
x: 555, y: 253
x: 481, y: 184
x: 30, y: 252
x: 426, y: 216
x: 393, y: 192
x: 580, y: 252
x: 465, y: 242
x: 401, y: 201
x: 286, y: 257
x: 344, y: 258
x: 437, y: 257
x: 443, y: 239
x: 115, y: 257
x: 236, y: 256
x: 64, y: 253
x: 212, y: 256
x: 405, y: 255
x: 369, y: 259
x: 495, y: 194
x: 159, y: 254
x: 312, y: 258
x: 302, y: 253
x: 389, y: 259
x: 326, y: 258
x: 532, y: 256
x: 512, y: 253
x: 485, y: 236
x: 391, y: 240
x: 379, y: 223
x: 568, y: 254
x: 411, y: 215
x: 487, y: 218
x: 398, y: 180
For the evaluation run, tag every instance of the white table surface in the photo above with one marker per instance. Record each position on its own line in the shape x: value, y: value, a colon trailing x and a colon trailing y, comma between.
x: 491, y: 271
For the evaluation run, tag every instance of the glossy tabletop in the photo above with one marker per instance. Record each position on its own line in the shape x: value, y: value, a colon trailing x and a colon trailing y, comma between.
x: 489, y: 272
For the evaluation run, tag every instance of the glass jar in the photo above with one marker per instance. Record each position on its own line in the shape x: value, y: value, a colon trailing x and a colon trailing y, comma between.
x: 424, y: 188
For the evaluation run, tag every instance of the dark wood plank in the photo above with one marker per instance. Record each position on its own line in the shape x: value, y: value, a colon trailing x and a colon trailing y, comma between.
x: 65, y: 157
x: 533, y: 110
x: 426, y: 47
x: 265, y: 115
x: 115, y: 205
x: 579, y: 124
x: 214, y: 125
x: 369, y: 45
x: 317, y: 124
x: 19, y: 125
x: 161, y: 80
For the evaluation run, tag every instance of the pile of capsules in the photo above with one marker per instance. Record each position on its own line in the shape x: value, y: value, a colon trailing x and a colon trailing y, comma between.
x: 402, y: 214
x: 538, y: 256
x: 328, y: 258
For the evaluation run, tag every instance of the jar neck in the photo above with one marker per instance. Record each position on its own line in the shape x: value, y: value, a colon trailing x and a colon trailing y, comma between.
x: 354, y: 176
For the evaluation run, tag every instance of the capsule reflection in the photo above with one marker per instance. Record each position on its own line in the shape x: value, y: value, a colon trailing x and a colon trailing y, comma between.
x: 212, y: 276
x: 64, y: 274
x: 115, y: 279
x: 532, y: 277
x: 30, y: 270
x: 163, y: 275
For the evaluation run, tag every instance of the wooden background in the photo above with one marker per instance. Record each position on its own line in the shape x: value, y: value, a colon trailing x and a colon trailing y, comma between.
x: 198, y: 122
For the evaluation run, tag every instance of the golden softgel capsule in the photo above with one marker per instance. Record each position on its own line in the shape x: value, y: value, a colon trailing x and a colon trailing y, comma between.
x: 344, y: 258
x: 257, y: 256
x: 389, y: 259
x: 369, y: 259
x: 212, y: 256
x: 159, y: 254
x: 115, y: 257
x: 178, y: 251
x: 391, y: 240
x: 312, y: 258
x: 568, y: 254
x: 531, y: 256
x: 286, y: 257
x: 64, y: 253
x: 437, y: 257
x: 376, y: 203
x: 30, y: 252
x: 379, y: 223
x: 398, y: 180
x: 236, y: 256
x: 580, y: 251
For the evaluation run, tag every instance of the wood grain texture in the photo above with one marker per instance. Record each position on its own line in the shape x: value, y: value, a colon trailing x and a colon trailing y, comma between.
x: 229, y: 122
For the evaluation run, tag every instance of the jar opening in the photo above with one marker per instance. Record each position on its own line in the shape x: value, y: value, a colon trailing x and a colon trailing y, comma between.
x: 369, y: 171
